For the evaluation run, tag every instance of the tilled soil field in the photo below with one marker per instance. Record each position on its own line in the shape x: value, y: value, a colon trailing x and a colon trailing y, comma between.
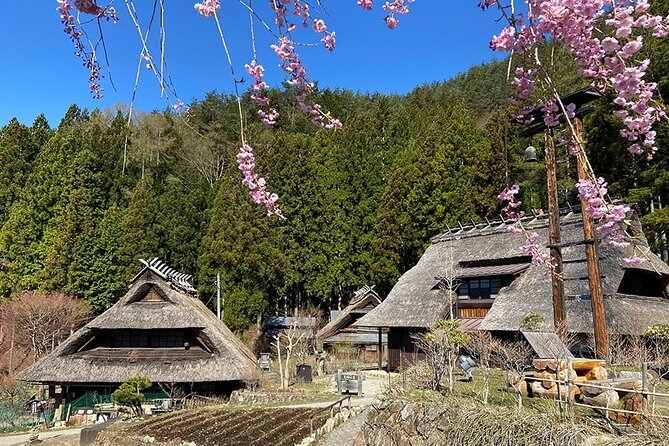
x: 227, y: 426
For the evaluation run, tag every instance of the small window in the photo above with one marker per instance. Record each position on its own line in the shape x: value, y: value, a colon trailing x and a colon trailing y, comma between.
x: 148, y: 338
x: 131, y: 338
x: 167, y: 338
x: 463, y: 290
x: 495, y: 285
x: 641, y: 283
x: 483, y: 287
x: 152, y: 296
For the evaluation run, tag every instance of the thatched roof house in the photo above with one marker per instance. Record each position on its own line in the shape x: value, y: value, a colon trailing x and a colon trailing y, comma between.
x: 160, y: 330
x: 498, y: 286
x: 341, y: 329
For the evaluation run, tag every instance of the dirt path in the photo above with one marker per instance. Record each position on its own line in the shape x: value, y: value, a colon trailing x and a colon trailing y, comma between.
x: 373, y: 385
x: 53, y: 438
x: 345, y: 434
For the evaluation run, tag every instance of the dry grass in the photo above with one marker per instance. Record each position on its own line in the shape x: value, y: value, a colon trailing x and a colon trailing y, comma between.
x: 409, y: 385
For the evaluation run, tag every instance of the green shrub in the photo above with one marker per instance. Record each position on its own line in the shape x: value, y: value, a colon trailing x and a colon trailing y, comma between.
x: 129, y: 394
x: 532, y: 322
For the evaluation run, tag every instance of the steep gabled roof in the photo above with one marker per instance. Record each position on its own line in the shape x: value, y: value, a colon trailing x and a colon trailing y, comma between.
x: 226, y: 358
x: 417, y: 302
x: 363, y: 301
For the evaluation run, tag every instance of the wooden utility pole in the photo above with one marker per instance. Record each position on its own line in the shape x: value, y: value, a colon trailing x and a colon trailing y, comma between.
x: 594, y: 275
x: 557, y: 276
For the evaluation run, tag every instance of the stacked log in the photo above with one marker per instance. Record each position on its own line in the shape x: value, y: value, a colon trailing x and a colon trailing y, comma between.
x: 623, y: 397
x: 547, y: 370
x: 600, y: 393
x: 557, y: 391
x: 517, y: 383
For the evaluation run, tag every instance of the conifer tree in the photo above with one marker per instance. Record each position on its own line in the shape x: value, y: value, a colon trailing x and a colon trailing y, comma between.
x: 141, y: 229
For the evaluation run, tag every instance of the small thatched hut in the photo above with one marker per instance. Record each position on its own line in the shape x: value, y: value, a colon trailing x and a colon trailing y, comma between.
x: 496, y: 286
x: 340, y: 331
x: 160, y: 330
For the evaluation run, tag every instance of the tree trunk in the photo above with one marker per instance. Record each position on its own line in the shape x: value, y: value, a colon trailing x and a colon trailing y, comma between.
x: 11, y: 352
x: 278, y: 353
x: 450, y: 373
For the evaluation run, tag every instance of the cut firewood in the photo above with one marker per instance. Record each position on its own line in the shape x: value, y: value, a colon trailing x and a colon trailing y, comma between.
x: 549, y: 364
x: 598, y: 373
x: 585, y: 365
x: 552, y: 393
x: 607, y: 398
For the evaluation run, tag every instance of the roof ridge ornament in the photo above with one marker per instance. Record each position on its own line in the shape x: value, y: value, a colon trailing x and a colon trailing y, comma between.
x: 175, y: 278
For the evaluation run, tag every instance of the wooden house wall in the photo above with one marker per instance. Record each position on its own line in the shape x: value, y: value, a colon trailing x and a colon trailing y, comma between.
x: 402, y: 350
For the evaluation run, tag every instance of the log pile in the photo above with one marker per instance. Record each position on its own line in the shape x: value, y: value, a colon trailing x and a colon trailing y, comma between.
x: 622, y: 397
x: 582, y: 372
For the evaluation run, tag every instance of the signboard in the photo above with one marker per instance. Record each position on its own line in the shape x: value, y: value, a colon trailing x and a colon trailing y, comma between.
x: 265, y: 361
x: 349, y: 383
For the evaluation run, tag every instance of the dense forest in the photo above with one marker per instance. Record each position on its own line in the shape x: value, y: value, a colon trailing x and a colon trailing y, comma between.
x: 81, y: 202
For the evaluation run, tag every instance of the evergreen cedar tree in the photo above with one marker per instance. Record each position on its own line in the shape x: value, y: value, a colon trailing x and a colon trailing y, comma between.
x: 77, y: 208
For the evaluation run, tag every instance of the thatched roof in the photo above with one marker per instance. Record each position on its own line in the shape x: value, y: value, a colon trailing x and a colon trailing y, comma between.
x: 417, y: 302
x: 364, y: 300
x: 222, y: 358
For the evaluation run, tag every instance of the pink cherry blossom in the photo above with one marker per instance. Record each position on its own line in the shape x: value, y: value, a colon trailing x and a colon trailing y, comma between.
x: 75, y: 33
x: 634, y: 261
x: 256, y: 185
x: 208, y: 7
x: 268, y: 115
x: 608, y: 60
x: 366, y: 4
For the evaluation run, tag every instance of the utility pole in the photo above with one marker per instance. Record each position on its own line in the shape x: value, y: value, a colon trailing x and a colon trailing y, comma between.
x: 557, y: 275
x: 218, y: 296
x: 594, y: 275
x: 580, y: 99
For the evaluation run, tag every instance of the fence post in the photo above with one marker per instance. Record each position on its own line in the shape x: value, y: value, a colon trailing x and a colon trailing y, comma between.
x: 644, y: 386
x: 570, y: 388
x: 557, y: 380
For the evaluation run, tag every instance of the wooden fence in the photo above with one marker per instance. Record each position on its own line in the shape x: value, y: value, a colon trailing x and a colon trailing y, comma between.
x: 569, y: 401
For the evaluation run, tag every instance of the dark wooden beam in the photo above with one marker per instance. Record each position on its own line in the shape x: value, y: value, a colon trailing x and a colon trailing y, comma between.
x: 557, y: 282
x: 594, y: 275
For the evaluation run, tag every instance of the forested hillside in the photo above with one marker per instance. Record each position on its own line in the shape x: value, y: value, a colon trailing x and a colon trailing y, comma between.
x: 81, y: 202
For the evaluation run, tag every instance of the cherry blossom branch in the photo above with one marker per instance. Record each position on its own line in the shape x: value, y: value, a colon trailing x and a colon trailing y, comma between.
x: 608, y: 61
x: 163, y: 38
x: 513, y: 212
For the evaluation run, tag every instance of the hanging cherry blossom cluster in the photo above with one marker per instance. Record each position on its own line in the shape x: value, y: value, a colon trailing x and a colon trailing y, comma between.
x: 288, y: 16
x: 601, y: 37
x: 605, y: 54
x: 257, y: 185
x: 512, y: 211
x: 268, y: 115
x: 396, y: 7
x: 608, y: 217
x: 72, y: 29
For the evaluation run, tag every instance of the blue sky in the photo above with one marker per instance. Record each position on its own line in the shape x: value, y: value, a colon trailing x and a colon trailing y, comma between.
x: 39, y: 72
